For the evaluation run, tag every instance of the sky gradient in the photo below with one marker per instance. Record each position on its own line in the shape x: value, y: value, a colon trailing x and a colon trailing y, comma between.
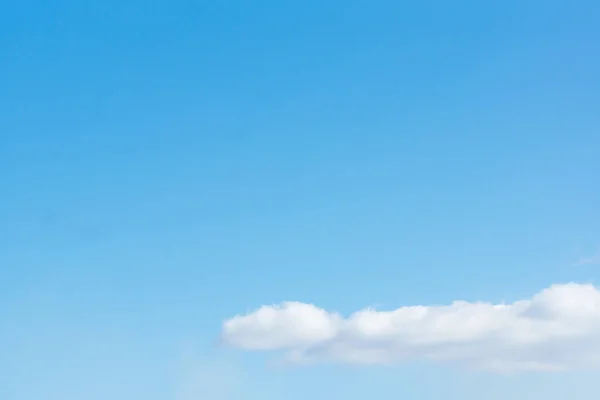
x: 168, y: 166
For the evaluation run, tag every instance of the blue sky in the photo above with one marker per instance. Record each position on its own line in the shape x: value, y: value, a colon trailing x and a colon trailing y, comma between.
x: 166, y: 166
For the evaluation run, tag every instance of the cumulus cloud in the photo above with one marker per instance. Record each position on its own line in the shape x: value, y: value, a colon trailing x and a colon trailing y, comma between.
x: 556, y: 329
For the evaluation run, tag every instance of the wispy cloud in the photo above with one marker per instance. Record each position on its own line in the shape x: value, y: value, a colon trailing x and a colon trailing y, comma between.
x: 206, y: 378
x: 591, y: 260
x: 556, y: 329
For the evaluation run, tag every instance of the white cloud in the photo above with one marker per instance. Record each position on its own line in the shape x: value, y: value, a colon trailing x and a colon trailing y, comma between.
x: 557, y: 329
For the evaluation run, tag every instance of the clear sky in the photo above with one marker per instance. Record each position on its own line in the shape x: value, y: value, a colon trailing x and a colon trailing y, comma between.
x: 168, y: 165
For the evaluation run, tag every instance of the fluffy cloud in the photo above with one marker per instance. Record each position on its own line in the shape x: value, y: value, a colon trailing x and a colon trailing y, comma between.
x: 557, y: 329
